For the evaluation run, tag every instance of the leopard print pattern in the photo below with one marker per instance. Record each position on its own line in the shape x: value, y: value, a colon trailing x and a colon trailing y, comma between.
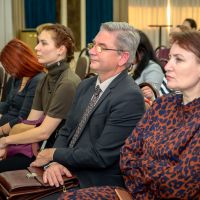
x: 94, y: 193
x: 161, y: 158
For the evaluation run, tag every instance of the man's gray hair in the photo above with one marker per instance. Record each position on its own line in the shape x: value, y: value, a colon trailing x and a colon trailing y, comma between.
x: 127, y: 39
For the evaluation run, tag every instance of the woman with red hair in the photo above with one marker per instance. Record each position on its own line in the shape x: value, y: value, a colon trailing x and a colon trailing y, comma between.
x: 20, y: 62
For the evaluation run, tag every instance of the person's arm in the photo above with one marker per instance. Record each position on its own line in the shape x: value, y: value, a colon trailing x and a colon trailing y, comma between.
x: 144, y: 173
x: 4, y: 107
x: 186, y: 172
x: 4, y: 130
x: 123, y: 117
x: 26, y: 97
x: 34, y: 115
x: 153, y: 74
x: 119, y: 123
x: 37, y: 134
x: 34, y: 135
x: 57, y: 111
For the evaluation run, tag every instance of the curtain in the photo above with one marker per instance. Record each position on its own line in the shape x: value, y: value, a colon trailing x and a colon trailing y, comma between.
x: 185, y: 9
x: 6, y: 32
x: 120, y: 10
x: 39, y: 11
x: 97, y: 12
x: 142, y: 13
x: 18, y: 16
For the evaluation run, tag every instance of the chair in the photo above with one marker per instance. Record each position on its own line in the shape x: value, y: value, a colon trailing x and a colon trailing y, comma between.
x: 3, y: 83
x: 162, y: 53
x: 82, y: 65
x: 7, y: 83
x: 2, y: 73
x: 148, y: 102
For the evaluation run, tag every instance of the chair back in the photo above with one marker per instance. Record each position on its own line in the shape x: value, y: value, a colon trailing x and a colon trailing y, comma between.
x: 82, y: 65
x: 3, y: 83
x: 162, y: 53
x: 7, y: 83
x: 148, y: 102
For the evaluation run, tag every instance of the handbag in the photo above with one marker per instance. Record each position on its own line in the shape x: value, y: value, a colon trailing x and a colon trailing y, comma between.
x: 28, y: 150
x: 28, y: 184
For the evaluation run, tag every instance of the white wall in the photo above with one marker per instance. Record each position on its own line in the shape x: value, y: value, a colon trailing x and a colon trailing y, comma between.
x: 6, y: 28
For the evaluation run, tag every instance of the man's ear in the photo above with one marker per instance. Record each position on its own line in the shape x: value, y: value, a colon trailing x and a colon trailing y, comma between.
x: 124, y: 58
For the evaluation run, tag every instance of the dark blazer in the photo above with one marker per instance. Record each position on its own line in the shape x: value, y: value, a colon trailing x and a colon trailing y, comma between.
x: 95, y: 157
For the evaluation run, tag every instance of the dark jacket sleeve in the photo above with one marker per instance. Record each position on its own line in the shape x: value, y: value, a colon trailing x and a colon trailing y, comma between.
x: 108, y: 132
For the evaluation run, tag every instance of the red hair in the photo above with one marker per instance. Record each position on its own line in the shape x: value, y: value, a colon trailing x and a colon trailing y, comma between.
x: 19, y: 60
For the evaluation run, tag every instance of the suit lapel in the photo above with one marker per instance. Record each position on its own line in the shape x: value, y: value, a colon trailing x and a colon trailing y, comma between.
x: 91, y: 89
x: 112, y: 85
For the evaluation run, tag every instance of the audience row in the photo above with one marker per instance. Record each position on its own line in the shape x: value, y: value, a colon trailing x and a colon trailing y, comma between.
x: 97, y: 128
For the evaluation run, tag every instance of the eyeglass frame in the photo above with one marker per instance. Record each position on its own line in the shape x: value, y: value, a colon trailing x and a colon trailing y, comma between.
x: 99, y: 48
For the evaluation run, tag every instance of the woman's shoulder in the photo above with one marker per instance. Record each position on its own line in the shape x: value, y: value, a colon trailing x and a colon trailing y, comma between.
x: 38, y: 76
x: 36, y: 79
x: 69, y: 75
x: 168, y: 99
x: 154, y: 65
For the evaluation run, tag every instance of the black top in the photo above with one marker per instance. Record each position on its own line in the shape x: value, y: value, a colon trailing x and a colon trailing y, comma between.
x: 18, y: 104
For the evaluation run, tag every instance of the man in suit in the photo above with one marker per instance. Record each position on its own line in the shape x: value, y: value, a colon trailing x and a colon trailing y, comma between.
x: 94, y: 157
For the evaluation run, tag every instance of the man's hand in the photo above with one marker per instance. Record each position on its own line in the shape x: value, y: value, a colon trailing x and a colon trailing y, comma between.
x: 43, y: 157
x: 53, y: 174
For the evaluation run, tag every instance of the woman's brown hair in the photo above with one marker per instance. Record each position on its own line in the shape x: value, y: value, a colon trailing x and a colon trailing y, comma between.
x: 62, y: 35
x: 188, y: 40
x: 19, y: 60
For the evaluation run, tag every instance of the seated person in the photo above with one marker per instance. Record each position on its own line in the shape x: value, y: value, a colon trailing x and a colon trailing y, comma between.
x: 20, y: 62
x: 89, y: 143
x: 160, y: 160
x: 147, y: 68
x: 190, y: 23
x: 53, y: 97
x: 180, y: 28
x: 164, y: 89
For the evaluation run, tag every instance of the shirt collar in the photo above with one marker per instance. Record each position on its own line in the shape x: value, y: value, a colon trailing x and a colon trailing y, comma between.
x: 106, y: 83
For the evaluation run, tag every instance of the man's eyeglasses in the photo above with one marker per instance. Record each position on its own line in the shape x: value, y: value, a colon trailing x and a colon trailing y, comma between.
x: 99, y: 48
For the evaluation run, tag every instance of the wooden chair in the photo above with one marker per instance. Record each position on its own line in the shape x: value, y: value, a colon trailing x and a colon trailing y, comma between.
x: 147, y: 101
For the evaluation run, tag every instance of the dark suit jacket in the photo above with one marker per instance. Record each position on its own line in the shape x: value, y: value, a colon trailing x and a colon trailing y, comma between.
x: 95, y: 157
